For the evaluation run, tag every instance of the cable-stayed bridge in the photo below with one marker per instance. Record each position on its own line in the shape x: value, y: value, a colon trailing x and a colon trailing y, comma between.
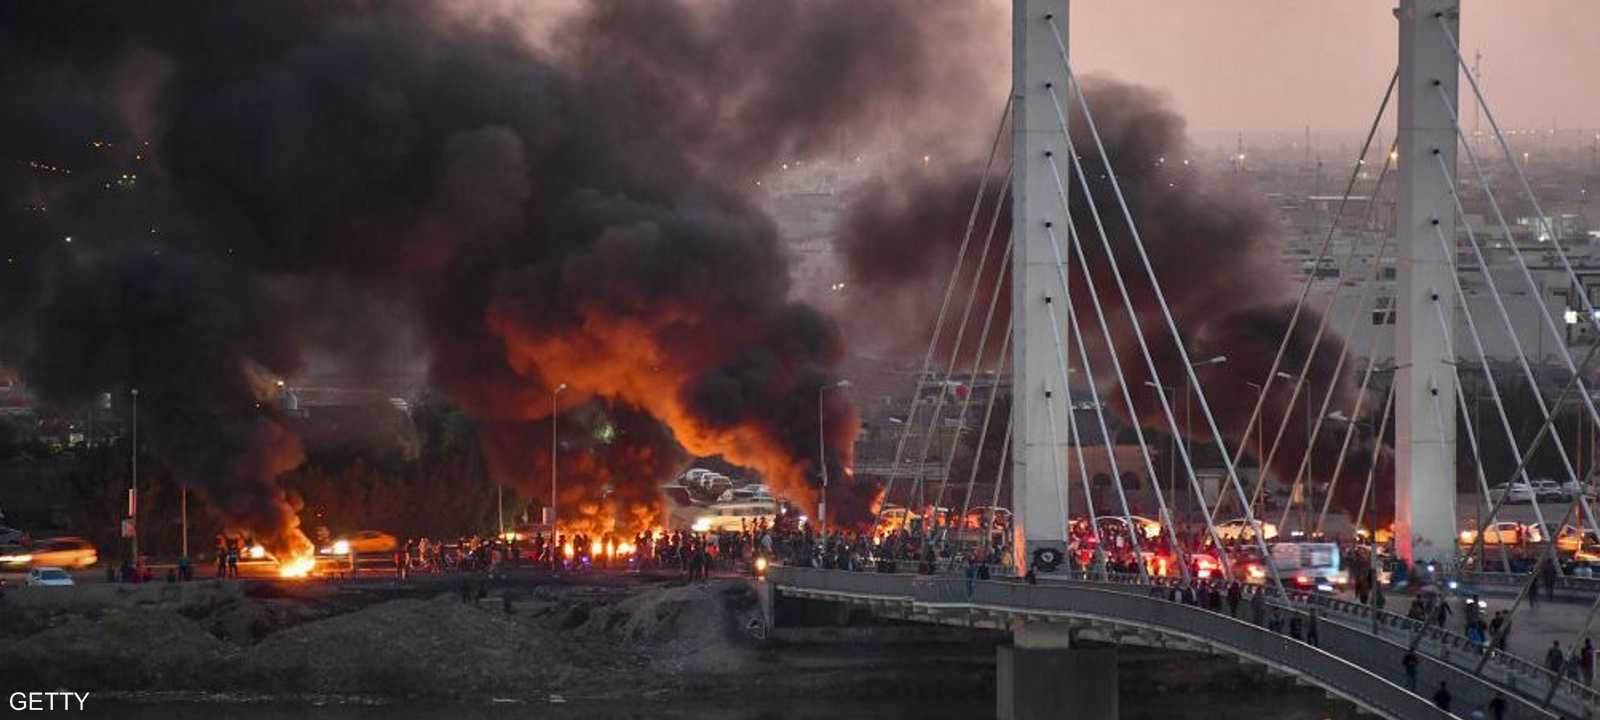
x: 1091, y: 322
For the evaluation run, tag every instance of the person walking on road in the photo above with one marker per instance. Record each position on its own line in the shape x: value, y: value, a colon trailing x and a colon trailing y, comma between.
x: 1547, y: 572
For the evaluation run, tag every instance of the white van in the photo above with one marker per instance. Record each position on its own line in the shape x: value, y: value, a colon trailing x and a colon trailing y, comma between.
x: 1309, y: 565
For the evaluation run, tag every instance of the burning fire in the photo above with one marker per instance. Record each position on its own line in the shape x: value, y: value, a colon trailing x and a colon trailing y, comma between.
x: 297, y: 567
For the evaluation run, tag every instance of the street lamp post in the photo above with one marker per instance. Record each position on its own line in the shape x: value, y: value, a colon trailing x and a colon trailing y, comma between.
x: 822, y: 452
x: 1261, y: 441
x: 133, y: 486
x: 554, y: 418
x: 1188, y: 425
x: 1307, y: 492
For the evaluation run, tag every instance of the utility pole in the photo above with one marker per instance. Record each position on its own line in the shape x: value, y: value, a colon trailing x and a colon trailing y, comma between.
x: 554, y: 418
x: 822, y: 452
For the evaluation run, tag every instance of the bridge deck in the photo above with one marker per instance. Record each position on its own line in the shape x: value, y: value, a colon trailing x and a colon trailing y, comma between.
x: 1350, y: 661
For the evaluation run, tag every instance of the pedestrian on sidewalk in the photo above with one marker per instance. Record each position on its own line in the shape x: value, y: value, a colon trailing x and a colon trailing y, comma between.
x: 1441, y: 697
x: 1410, y: 663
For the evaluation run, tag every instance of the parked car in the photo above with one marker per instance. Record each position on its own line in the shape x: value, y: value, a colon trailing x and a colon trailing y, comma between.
x: 64, y: 552
x: 1548, y: 490
x: 1514, y: 493
x: 1573, y: 539
x: 1573, y: 489
x: 48, y: 577
x: 1500, y: 533
x: 1240, y: 529
x: 363, y: 541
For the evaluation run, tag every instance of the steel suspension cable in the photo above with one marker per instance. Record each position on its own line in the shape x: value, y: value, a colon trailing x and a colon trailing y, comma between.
x: 1088, y: 498
x: 983, y: 340
x: 988, y: 415
x: 1516, y: 342
x: 944, y: 306
x: 1488, y: 373
x: 1537, y: 294
x: 1305, y: 293
x: 1361, y: 392
x: 1127, y: 398
x: 1166, y: 314
x: 999, y: 477
x: 937, y: 416
x: 1372, y: 467
x: 1305, y: 369
x: 1099, y: 409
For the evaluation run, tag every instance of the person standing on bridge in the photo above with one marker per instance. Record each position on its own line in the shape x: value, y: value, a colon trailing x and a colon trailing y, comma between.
x: 1441, y: 697
x: 1547, y: 570
x: 1258, y: 607
x: 1554, y: 658
x: 1586, y: 661
x: 1410, y: 663
x: 1311, y: 628
x: 1235, y: 592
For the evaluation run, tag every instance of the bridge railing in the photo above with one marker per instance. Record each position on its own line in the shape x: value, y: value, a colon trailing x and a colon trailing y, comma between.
x: 1516, y: 672
x: 930, y: 592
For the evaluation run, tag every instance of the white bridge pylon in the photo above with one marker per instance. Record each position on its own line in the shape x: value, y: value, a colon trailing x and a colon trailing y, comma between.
x: 1425, y: 427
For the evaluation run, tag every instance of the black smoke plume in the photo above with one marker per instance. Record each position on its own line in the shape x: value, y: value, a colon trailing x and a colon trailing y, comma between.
x: 573, y: 212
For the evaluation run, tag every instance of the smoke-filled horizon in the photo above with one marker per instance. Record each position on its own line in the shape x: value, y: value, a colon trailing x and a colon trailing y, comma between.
x: 294, y: 178
x: 1214, y: 247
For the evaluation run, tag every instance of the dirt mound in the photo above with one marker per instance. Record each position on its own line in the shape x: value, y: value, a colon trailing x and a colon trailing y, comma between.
x: 121, y: 648
x: 403, y: 647
x: 692, y: 628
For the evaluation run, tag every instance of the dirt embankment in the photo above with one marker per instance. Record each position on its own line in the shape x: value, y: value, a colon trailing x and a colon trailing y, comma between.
x: 417, y: 640
x: 597, y: 637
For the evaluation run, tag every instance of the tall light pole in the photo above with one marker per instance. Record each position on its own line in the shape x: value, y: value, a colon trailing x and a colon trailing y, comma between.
x: 822, y: 452
x: 1188, y: 416
x: 133, y: 486
x: 1172, y: 453
x: 1307, y: 492
x: 1188, y: 424
x: 554, y: 418
x: 1261, y: 440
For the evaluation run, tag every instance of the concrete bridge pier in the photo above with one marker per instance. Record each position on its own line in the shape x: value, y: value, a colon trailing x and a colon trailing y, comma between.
x: 1042, y: 674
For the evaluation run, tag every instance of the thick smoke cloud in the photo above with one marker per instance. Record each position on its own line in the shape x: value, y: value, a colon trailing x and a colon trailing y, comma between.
x: 532, y: 216
x: 1214, y: 248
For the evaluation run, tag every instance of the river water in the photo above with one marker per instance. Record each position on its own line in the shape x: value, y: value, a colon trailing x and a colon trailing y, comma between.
x: 753, y: 707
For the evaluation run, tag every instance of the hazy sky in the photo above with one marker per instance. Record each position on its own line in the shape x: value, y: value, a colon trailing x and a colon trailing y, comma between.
x: 1284, y: 64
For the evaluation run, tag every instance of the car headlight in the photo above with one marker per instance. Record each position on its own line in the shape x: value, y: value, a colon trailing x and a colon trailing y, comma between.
x: 16, y: 559
x: 341, y: 547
